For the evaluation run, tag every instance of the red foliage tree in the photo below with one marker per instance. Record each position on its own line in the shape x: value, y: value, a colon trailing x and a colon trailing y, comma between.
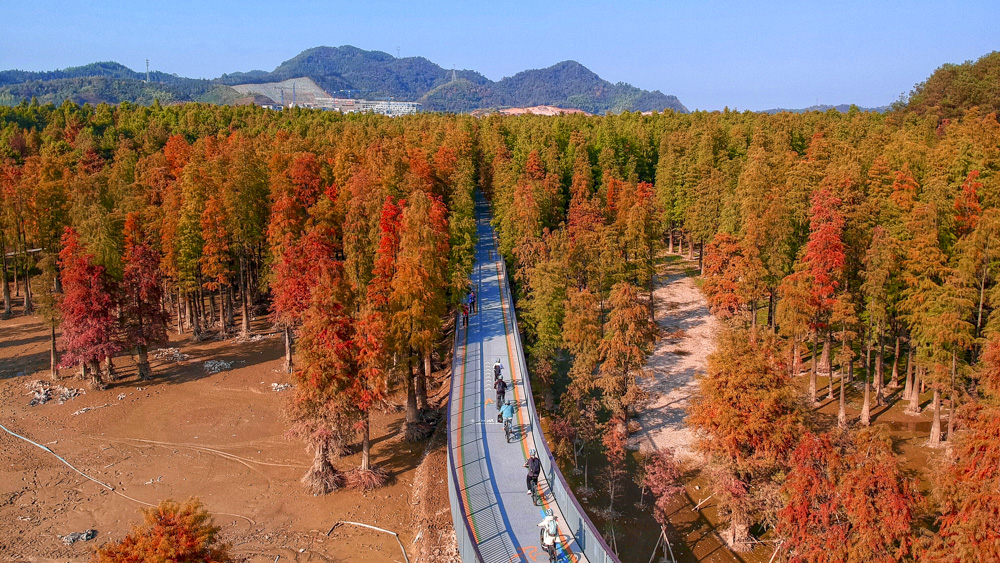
x: 825, y: 259
x: 89, y: 326
x: 848, y: 501
x: 967, y: 208
x: 966, y: 489
x: 143, y: 319
x: 170, y: 533
x: 749, y: 422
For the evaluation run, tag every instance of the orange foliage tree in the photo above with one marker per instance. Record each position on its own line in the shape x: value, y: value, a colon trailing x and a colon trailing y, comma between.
x: 170, y: 533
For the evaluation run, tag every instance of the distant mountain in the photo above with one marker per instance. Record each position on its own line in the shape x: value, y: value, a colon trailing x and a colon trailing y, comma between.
x: 347, y: 72
x: 842, y: 108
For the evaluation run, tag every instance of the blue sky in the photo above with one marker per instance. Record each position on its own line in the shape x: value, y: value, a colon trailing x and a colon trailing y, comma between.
x: 710, y: 54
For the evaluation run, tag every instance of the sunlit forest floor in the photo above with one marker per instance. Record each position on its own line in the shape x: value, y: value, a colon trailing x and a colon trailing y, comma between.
x: 188, y: 432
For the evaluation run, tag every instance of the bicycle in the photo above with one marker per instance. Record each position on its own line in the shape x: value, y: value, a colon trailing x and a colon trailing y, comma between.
x: 536, y: 495
x: 551, y: 550
x: 508, y: 429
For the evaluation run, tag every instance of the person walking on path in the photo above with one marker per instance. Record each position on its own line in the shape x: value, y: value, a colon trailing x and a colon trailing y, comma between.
x: 465, y: 315
x: 472, y: 301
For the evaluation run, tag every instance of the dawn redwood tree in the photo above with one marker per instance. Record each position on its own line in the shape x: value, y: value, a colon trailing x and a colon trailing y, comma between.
x: 418, y: 298
x: 628, y: 337
x: 966, y: 490
x: 722, y: 275
x: 144, y: 322
x: 48, y: 308
x: 825, y: 259
x: 663, y: 478
x: 794, y: 314
x: 880, y: 290
x: 89, y: 328
x: 848, y: 500
x: 748, y: 421
x: 170, y: 531
x: 215, y: 259
x: 544, y: 311
x: 320, y: 412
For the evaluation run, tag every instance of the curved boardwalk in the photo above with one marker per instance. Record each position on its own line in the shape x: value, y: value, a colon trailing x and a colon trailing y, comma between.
x: 488, y: 476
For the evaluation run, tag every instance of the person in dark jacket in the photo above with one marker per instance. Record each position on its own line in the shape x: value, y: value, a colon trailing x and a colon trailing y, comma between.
x: 501, y: 387
x: 534, y: 466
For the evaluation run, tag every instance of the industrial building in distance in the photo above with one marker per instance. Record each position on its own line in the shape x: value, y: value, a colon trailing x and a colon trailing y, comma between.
x: 304, y: 93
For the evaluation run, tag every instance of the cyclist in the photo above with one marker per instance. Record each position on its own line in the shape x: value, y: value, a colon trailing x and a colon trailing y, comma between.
x: 501, y: 388
x: 497, y: 371
x: 534, y: 466
x: 549, y: 533
x: 507, y: 413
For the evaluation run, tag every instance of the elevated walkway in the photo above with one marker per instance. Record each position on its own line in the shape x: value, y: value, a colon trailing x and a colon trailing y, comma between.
x: 495, y: 520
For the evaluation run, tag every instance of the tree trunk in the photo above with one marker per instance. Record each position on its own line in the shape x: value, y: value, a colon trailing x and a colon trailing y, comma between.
x: 914, y: 407
x: 813, y: 384
x: 288, y: 349
x: 53, y: 354
x: 909, y: 368
x: 770, y: 310
x: 842, y: 412
x: 29, y: 307
x: 411, y: 393
x: 422, y: 377
x: 193, y: 313
x: 222, y: 310
x: 180, y: 313
x: 829, y: 362
x: 880, y: 366
x: 670, y: 240
x: 796, y: 358
x: 908, y: 384
x: 701, y: 258
x: 951, y: 403
x: 144, y: 370
x: 894, y: 383
x: 753, y: 313
x: 366, y: 443
x: 935, y: 439
x: 95, y: 375
x: 866, y: 408
x: 229, y: 307
x: 739, y: 536
x: 7, y: 311
x: 112, y: 372
x: 244, y: 299
x: 690, y: 240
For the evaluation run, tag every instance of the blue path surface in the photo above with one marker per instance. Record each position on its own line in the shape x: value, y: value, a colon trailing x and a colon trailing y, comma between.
x: 490, y: 472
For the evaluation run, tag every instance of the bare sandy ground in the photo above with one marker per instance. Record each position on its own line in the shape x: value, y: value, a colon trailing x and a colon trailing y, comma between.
x: 189, y: 432
x: 687, y: 332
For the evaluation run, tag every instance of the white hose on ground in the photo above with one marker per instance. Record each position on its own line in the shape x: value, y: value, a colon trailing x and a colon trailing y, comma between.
x: 105, y: 485
x: 377, y: 529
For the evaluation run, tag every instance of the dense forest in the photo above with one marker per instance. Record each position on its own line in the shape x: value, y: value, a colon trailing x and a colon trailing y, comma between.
x: 856, y: 246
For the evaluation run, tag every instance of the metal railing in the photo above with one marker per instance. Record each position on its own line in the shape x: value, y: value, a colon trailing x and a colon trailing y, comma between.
x: 467, y: 547
x: 588, y: 539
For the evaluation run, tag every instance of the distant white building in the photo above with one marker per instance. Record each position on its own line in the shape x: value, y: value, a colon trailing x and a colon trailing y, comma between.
x: 384, y: 107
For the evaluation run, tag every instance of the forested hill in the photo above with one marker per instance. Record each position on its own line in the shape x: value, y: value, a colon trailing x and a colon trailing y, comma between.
x: 347, y: 71
x: 952, y: 88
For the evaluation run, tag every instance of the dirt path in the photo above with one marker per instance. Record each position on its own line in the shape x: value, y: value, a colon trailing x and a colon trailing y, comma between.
x: 681, y: 352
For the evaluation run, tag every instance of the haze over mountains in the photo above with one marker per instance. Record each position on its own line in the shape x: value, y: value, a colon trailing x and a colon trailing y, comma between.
x: 347, y: 72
